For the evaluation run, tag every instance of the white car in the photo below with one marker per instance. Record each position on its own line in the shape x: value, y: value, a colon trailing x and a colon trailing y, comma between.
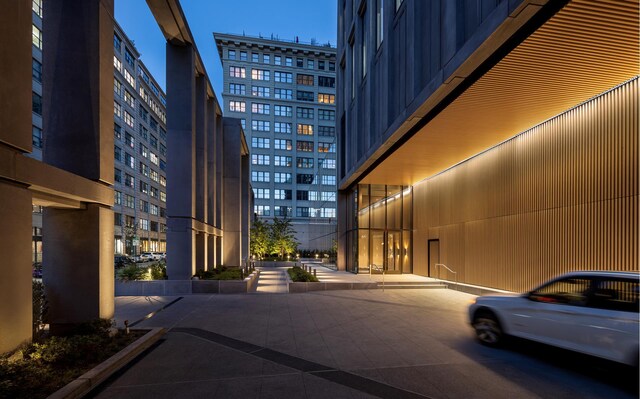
x: 589, y: 312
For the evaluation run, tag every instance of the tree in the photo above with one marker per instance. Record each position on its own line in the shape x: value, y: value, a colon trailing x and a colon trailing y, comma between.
x: 283, y: 241
x: 259, y: 242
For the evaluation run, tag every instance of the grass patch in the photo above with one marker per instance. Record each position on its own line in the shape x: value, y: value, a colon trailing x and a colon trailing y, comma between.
x: 298, y: 274
x: 221, y: 273
x: 38, y: 369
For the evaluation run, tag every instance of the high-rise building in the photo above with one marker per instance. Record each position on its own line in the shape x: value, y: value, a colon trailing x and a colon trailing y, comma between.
x: 493, y: 143
x: 284, y: 94
x: 140, y: 147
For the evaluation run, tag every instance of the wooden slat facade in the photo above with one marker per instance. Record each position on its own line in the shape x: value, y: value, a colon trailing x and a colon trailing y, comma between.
x: 561, y: 196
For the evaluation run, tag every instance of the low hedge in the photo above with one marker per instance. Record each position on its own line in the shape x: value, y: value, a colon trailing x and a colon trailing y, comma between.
x: 220, y: 273
x: 298, y: 275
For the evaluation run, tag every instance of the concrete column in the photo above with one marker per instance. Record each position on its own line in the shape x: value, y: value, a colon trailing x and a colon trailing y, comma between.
x: 219, y: 259
x: 181, y: 161
x: 78, y: 119
x: 232, y: 196
x: 15, y: 200
x: 211, y: 252
x: 219, y: 158
x: 210, y: 135
x: 201, y: 251
x: 78, y: 259
x: 246, y: 215
x: 15, y: 284
x: 201, y: 149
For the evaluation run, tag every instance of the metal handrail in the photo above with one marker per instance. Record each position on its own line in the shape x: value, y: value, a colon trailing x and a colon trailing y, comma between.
x: 378, y: 269
x: 452, y: 271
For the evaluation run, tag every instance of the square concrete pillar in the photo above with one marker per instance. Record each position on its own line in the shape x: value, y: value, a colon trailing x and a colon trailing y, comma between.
x: 15, y: 284
x: 201, y: 149
x: 343, y: 204
x: 181, y: 161
x: 232, y: 196
x: 212, y: 178
x: 211, y: 252
x: 201, y: 251
x: 78, y: 265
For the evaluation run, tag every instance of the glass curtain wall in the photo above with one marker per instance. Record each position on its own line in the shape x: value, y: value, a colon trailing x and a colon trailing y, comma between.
x: 380, y: 235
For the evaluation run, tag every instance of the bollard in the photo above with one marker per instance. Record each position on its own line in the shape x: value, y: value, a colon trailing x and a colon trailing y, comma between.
x: 314, y: 273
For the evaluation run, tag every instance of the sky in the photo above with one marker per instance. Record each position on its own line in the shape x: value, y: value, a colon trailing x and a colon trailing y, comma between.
x: 286, y: 19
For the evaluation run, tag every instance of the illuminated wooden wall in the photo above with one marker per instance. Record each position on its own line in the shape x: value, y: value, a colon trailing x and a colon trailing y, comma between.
x: 561, y: 196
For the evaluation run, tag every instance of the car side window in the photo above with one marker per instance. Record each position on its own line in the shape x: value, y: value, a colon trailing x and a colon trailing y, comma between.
x: 569, y: 291
x: 616, y: 294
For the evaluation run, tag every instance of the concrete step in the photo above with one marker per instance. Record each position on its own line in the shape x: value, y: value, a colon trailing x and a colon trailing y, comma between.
x: 412, y: 285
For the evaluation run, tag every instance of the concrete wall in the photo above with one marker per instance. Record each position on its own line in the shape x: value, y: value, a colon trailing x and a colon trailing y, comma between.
x: 562, y: 196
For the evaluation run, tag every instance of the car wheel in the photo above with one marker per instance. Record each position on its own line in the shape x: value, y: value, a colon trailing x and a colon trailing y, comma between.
x: 488, y: 330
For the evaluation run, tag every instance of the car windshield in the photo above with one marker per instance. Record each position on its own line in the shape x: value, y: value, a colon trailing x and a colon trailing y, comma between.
x: 572, y: 291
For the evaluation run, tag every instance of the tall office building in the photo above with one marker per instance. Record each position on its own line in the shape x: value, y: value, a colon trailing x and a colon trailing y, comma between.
x: 284, y: 94
x: 494, y: 143
x: 140, y: 147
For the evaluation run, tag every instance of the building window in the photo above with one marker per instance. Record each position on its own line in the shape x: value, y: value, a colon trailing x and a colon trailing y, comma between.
x: 36, y: 70
x: 302, y: 162
x: 288, y: 61
x: 259, y: 108
x: 129, y: 181
x: 326, y: 115
x: 117, y: 175
x: 260, y: 142
x: 328, y: 180
x: 282, y: 160
x: 36, y: 103
x: 260, y: 176
x: 36, y: 37
x: 328, y: 131
x: 144, y: 187
x: 282, y: 194
x: 314, y: 196
x: 282, y: 177
x: 302, y: 195
x: 117, y: 197
x: 306, y: 130
x: 260, y: 159
x: 329, y: 163
x: 260, y: 126
x: 117, y: 87
x: 379, y: 23
x: 302, y: 211
x: 260, y: 74
x: 353, y: 68
x: 117, y: 109
x: 283, y: 110
x: 117, y: 64
x: 235, y: 88
x: 144, y: 169
x: 255, y: 57
x: 237, y: 72
x: 128, y: 119
x: 262, y: 210
x: 129, y: 140
x: 117, y: 153
x: 304, y: 178
x: 310, y: 64
x: 326, y: 81
x: 260, y: 91
x: 282, y: 210
x: 129, y: 78
x: 153, y: 141
x: 231, y: 54
x: 332, y: 66
x: 243, y: 123
x: 129, y: 99
x: 328, y: 196
x: 243, y: 56
x: 283, y: 77
x: 237, y: 106
x: 326, y: 98
x: 304, y: 146
x: 144, y: 151
x: 304, y: 95
x: 304, y: 113
x: 36, y: 136
x: 144, y: 114
x: 143, y: 206
x: 261, y: 193
x: 266, y: 59
x: 117, y: 131
x: 128, y: 57
x: 154, y: 175
x: 36, y: 6
x: 283, y: 94
x: 282, y: 127
x: 321, y: 65
x: 153, y: 124
x: 306, y: 80
x: 163, y: 196
x: 326, y: 147
x: 280, y: 144
x: 363, y: 42
x: 277, y: 60
x: 299, y: 62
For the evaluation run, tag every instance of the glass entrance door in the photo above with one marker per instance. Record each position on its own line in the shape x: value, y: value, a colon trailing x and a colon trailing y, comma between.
x: 386, y: 251
x: 377, y: 245
x: 394, y: 245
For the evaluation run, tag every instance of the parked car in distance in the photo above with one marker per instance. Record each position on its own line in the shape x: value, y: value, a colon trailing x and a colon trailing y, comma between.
x: 591, y: 312
x: 121, y: 260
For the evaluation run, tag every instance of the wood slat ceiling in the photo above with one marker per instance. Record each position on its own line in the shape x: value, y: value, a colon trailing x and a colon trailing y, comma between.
x: 587, y: 48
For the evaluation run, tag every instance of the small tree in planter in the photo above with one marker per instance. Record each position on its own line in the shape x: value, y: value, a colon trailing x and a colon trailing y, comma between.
x: 283, y: 239
x: 260, y: 238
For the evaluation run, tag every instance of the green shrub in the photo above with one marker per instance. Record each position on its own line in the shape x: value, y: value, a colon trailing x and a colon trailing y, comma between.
x: 131, y: 273
x: 40, y: 308
x: 158, y: 271
x: 220, y: 273
x: 298, y: 274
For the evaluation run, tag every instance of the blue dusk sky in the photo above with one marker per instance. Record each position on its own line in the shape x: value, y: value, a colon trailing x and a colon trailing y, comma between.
x: 286, y: 19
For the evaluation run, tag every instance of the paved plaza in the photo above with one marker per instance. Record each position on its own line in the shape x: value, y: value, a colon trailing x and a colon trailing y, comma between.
x: 342, y: 344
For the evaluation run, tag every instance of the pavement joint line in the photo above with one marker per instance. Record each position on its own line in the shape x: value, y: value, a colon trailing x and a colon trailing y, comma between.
x: 150, y: 315
x: 340, y: 377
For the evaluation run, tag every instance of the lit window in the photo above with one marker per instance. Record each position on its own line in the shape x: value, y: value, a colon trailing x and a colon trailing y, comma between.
x: 237, y: 72
x: 306, y: 130
x: 259, y: 108
x: 260, y: 74
x: 232, y: 54
x: 326, y: 98
x: 36, y: 37
x: 237, y: 106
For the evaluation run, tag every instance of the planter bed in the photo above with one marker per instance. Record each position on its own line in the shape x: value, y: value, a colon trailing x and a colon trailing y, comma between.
x: 185, y: 287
